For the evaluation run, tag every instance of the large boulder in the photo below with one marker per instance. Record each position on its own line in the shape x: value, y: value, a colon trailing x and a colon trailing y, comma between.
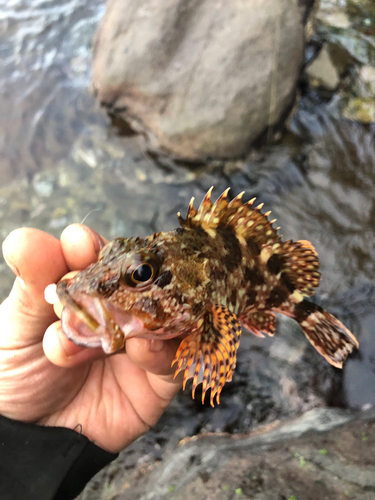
x: 324, y: 454
x: 201, y: 78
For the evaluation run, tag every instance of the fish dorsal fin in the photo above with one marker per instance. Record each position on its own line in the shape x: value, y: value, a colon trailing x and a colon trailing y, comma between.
x: 208, y: 354
x: 241, y: 218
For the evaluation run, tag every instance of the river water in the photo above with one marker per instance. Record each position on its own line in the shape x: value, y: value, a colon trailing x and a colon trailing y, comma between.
x: 61, y: 160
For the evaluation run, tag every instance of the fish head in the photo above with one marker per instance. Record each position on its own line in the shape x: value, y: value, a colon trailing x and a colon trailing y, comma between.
x: 139, y: 287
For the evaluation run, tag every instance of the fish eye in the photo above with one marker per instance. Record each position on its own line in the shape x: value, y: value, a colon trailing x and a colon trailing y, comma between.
x: 141, y: 273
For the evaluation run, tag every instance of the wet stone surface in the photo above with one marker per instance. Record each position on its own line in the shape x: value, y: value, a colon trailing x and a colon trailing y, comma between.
x: 326, y: 453
x: 185, y: 73
x: 345, y: 31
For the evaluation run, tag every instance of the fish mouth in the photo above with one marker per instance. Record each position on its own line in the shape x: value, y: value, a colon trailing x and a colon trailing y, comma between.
x: 92, y: 321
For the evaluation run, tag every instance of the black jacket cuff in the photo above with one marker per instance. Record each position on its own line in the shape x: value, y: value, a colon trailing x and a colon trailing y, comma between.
x: 46, y: 463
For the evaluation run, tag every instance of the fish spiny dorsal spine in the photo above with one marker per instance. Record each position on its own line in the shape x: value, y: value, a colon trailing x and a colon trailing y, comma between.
x: 236, y: 216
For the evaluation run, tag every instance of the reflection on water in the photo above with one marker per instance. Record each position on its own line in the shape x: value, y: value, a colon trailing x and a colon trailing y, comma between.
x: 336, y: 201
x: 335, y: 207
x: 44, y: 73
x: 60, y: 160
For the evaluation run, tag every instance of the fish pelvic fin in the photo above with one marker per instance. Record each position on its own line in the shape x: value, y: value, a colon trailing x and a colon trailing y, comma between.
x: 208, y: 355
x: 259, y: 323
x: 325, y: 332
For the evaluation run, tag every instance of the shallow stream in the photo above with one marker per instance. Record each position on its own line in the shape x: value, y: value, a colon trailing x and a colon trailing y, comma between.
x: 61, y: 160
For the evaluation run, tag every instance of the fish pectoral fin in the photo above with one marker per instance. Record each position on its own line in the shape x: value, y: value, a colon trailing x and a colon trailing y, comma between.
x: 208, y: 355
x: 259, y: 323
x: 296, y: 265
x: 302, y: 266
x: 325, y: 332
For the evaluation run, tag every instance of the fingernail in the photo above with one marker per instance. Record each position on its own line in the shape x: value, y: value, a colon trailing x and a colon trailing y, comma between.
x: 156, y: 345
x: 96, y: 239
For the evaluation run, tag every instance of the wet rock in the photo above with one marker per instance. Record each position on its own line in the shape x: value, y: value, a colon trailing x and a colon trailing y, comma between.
x: 322, y: 71
x: 200, y: 79
x: 367, y: 76
x: 326, y: 453
x: 333, y: 15
x: 358, y: 104
x: 43, y: 183
x: 360, y: 109
x: 306, y: 7
x: 350, y: 25
x: 347, y: 30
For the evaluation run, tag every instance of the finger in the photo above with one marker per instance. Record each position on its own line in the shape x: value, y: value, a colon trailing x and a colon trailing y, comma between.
x: 37, y: 259
x: 63, y: 352
x: 153, y: 356
x: 165, y: 387
x: 157, y: 363
x: 81, y: 246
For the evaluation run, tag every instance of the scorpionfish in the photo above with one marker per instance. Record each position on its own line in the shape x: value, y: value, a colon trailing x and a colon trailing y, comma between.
x: 225, y: 266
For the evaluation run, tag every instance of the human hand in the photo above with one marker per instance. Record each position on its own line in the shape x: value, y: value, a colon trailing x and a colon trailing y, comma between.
x: 47, y: 379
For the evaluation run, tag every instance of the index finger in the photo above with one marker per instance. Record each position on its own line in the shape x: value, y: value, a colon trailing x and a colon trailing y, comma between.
x: 81, y: 246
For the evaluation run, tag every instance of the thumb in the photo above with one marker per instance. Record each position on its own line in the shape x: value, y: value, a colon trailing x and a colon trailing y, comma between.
x: 37, y: 260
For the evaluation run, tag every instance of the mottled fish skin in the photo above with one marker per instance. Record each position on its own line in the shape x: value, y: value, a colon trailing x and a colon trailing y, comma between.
x: 225, y: 265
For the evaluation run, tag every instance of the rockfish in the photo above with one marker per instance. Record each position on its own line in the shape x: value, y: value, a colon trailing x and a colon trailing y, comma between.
x: 225, y: 266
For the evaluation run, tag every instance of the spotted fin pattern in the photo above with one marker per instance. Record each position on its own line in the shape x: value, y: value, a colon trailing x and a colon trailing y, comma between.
x: 296, y: 263
x: 325, y: 332
x: 301, y: 265
x: 209, y: 354
x: 259, y: 323
x: 241, y: 218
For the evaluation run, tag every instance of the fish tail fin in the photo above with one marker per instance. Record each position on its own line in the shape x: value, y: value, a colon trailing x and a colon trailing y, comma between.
x: 325, y: 332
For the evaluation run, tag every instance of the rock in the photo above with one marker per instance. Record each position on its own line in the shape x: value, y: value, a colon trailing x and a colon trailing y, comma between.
x: 367, y: 75
x: 348, y: 31
x: 200, y: 79
x: 332, y: 15
x: 306, y: 7
x: 322, y: 72
x: 349, y: 25
x: 326, y: 453
x: 360, y: 109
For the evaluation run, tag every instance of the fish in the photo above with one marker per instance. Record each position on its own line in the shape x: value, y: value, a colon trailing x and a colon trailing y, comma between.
x: 225, y: 267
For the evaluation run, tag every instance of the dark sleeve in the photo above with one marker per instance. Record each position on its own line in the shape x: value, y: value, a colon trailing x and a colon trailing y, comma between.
x: 46, y: 463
